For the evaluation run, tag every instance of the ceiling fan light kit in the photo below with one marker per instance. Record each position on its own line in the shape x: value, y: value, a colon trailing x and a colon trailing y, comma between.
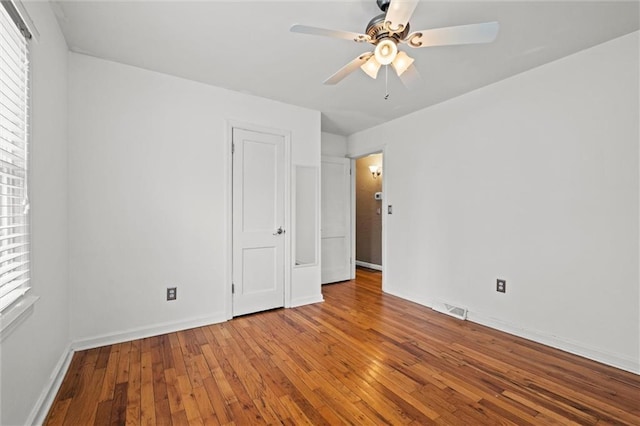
x: 386, y: 51
x: 401, y: 63
x: 371, y: 67
x: 390, y: 28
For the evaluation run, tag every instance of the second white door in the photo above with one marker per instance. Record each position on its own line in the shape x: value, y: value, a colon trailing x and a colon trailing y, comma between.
x: 258, y: 221
x: 336, y: 219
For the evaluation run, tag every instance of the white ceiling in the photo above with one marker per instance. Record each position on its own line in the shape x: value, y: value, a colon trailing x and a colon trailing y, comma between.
x: 246, y: 46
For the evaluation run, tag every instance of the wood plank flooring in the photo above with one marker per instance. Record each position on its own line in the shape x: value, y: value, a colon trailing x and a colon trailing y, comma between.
x: 361, y: 357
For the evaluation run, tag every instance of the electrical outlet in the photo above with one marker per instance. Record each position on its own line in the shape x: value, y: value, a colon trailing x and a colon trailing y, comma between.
x: 172, y: 293
x: 501, y: 286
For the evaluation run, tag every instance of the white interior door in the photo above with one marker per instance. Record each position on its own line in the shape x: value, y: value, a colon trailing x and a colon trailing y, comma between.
x: 336, y: 219
x: 258, y: 221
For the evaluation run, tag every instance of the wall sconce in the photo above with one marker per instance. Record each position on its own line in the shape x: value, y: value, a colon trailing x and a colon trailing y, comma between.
x: 375, y: 171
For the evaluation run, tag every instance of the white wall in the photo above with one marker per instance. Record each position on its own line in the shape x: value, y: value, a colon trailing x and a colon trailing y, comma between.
x: 334, y: 145
x: 535, y: 180
x: 148, y: 196
x: 36, y: 347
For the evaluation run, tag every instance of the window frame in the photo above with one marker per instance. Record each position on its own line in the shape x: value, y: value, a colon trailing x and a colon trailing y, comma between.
x: 14, y: 198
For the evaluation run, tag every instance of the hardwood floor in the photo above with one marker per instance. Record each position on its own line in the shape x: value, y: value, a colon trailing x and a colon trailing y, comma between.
x: 360, y: 357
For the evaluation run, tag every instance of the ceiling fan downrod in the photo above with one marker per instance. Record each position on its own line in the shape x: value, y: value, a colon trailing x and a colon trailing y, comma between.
x: 383, y: 4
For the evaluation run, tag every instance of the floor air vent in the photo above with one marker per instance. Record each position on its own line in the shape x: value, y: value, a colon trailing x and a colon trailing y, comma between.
x: 454, y: 311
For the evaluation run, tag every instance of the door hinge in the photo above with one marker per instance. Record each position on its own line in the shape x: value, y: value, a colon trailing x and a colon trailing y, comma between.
x: 233, y: 148
x: 233, y: 288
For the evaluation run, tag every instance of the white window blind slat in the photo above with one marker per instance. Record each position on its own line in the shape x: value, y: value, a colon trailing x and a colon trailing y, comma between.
x: 8, y: 42
x: 11, y: 266
x: 10, y: 116
x: 9, y: 92
x: 14, y: 246
x: 13, y: 72
x: 12, y: 297
x: 10, y: 176
x: 8, y: 148
x: 7, y: 278
x: 9, y: 45
x: 11, y: 236
x: 4, y: 291
x: 12, y: 156
x: 10, y: 55
x: 12, y: 226
x: 12, y: 256
x: 12, y: 169
x: 14, y: 112
x: 12, y: 37
x: 12, y: 88
x: 13, y: 132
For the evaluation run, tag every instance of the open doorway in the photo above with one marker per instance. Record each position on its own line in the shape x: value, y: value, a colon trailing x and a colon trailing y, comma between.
x: 369, y: 211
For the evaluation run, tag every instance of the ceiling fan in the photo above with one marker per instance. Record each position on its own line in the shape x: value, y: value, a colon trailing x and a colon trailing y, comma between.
x: 387, y: 30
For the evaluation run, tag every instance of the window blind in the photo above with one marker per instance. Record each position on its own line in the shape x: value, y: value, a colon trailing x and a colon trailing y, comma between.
x: 14, y: 203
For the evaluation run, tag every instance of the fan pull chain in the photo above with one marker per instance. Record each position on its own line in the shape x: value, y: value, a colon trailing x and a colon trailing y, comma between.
x: 386, y: 82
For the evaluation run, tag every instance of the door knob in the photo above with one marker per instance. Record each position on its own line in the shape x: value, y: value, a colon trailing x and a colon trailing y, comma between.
x: 279, y: 231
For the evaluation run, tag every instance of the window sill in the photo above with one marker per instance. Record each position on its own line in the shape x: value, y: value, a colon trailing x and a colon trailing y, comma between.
x: 9, y: 320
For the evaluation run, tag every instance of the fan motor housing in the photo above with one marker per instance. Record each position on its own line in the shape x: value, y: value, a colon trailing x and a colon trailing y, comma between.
x: 377, y: 30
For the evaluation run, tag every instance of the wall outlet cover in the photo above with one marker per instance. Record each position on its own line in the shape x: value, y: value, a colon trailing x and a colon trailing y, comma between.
x: 172, y: 293
x: 501, y: 286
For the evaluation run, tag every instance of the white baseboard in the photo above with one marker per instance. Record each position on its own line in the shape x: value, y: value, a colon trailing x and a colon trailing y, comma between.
x: 368, y: 265
x: 306, y: 301
x: 142, y: 332
x: 45, y: 400
x: 613, y: 360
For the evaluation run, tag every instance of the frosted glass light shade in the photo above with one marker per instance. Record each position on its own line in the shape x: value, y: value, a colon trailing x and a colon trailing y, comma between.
x: 386, y: 51
x: 401, y: 63
x: 371, y: 67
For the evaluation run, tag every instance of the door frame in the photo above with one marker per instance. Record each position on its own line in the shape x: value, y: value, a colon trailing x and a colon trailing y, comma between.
x: 385, y: 202
x: 228, y: 185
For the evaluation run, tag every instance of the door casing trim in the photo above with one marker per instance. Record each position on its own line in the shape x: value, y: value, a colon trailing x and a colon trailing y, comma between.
x: 386, y: 200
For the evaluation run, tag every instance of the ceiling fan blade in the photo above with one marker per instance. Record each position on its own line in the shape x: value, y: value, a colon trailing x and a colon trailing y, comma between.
x: 304, y: 29
x: 411, y: 78
x: 399, y: 13
x: 348, y: 69
x: 463, y: 34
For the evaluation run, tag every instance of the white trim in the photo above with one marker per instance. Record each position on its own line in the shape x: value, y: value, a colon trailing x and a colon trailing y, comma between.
x: 228, y: 255
x: 593, y: 354
x: 142, y: 332
x: 368, y: 265
x: 307, y: 301
x: 353, y: 218
x: 385, y: 201
x: 614, y: 360
x: 15, y: 314
x: 286, y: 135
x: 47, y: 396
